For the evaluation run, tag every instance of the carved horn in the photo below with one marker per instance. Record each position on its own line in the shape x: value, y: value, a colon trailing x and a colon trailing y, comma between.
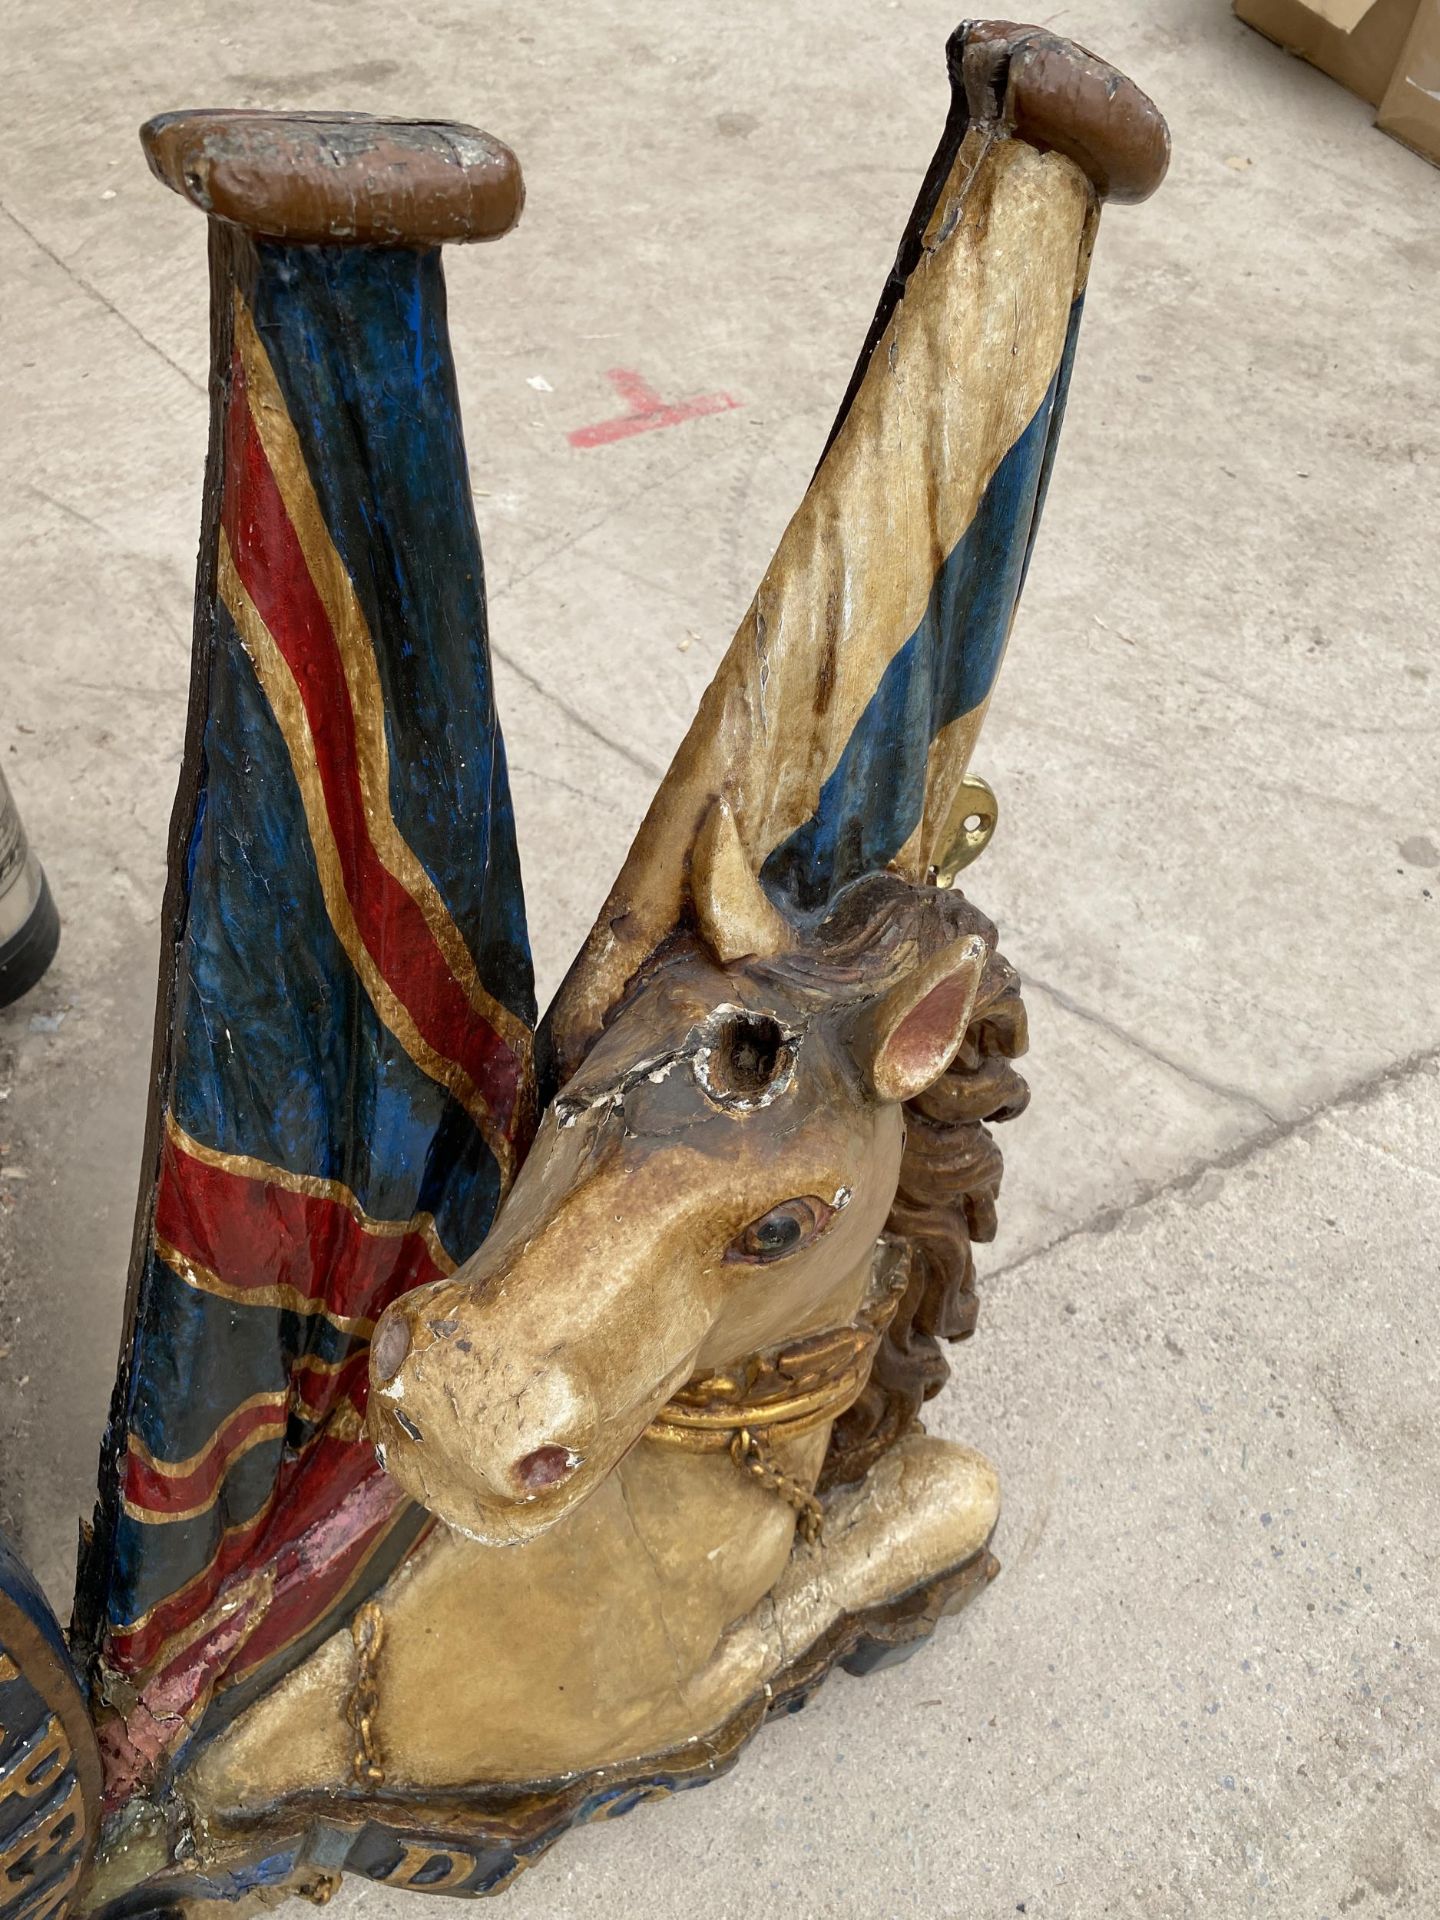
x: 736, y: 916
x: 841, y: 722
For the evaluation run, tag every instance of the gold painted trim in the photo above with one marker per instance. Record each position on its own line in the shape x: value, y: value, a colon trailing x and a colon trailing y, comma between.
x: 313, y: 1187
x: 165, y: 1652
x: 31, y: 1653
x: 179, y: 1469
x: 333, y: 584
x: 283, y: 693
x: 826, y: 1371
x: 149, y: 1517
x: 288, y: 1299
x: 316, y: 1363
x: 712, y: 1428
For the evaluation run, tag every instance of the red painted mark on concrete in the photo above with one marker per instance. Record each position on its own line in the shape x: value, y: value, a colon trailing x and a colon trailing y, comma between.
x: 645, y: 410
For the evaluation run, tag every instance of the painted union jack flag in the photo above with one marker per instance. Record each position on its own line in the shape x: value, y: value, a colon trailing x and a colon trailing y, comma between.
x: 344, y: 1076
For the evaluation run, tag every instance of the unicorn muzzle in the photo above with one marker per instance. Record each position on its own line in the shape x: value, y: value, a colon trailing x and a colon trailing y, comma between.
x: 497, y: 1449
x: 490, y: 1422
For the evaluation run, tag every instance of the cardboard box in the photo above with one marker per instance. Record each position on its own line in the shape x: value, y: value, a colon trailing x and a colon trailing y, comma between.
x: 1357, y: 42
x: 1410, y: 110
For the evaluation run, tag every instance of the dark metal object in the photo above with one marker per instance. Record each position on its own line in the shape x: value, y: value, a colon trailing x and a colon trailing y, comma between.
x: 29, y: 923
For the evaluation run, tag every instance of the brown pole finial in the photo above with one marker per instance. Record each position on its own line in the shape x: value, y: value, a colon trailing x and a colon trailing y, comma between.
x: 1056, y: 94
x: 343, y: 178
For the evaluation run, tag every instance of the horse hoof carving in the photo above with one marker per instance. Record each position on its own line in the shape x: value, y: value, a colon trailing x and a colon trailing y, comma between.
x: 513, y: 1414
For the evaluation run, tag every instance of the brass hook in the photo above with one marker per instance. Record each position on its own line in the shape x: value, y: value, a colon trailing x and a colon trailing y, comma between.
x: 968, y: 832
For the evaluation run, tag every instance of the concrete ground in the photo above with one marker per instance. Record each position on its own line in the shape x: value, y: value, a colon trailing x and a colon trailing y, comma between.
x: 1206, y: 1680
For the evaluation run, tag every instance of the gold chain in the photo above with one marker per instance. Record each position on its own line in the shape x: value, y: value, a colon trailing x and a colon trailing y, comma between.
x: 368, y: 1632
x: 785, y: 1392
x: 752, y: 1453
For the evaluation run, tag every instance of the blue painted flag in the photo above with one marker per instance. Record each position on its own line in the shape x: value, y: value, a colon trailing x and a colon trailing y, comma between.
x: 345, y: 1061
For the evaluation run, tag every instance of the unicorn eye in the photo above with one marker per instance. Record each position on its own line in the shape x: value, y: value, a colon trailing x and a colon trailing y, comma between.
x: 785, y: 1229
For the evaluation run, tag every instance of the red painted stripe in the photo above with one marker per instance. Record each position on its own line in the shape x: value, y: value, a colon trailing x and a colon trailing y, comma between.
x: 332, y: 1470
x: 251, y: 1234
x: 318, y: 1394
x: 311, y: 1574
x: 314, y: 1396
x: 271, y: 563
x: 177, y: 1493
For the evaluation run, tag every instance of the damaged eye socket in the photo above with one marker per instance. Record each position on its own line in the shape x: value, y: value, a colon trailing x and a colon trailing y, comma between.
x: 785, y: 1229
x: 747, y: 1055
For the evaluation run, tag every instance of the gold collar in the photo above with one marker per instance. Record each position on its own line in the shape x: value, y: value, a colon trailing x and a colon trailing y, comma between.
x: 784, y: 1392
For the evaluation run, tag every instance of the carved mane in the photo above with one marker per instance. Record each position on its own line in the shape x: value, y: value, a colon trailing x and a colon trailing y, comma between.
x: 949, y: 1181
x: 951, y: 1171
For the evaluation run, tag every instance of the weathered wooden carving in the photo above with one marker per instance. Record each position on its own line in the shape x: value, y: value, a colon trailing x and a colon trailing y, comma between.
x: 510, y: 1420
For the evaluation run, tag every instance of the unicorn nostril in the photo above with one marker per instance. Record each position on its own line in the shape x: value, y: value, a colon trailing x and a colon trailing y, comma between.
x: 390, y: 1345
x: 545, y: 1467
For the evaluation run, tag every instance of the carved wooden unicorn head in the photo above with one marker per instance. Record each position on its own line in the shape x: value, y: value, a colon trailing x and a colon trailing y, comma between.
x: 711, y: 1181
x: 776, y: 973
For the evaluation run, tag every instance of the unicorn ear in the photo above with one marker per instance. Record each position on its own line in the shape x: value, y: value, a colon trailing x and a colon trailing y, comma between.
x: 737, y: 917
x: 915, y: 1032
